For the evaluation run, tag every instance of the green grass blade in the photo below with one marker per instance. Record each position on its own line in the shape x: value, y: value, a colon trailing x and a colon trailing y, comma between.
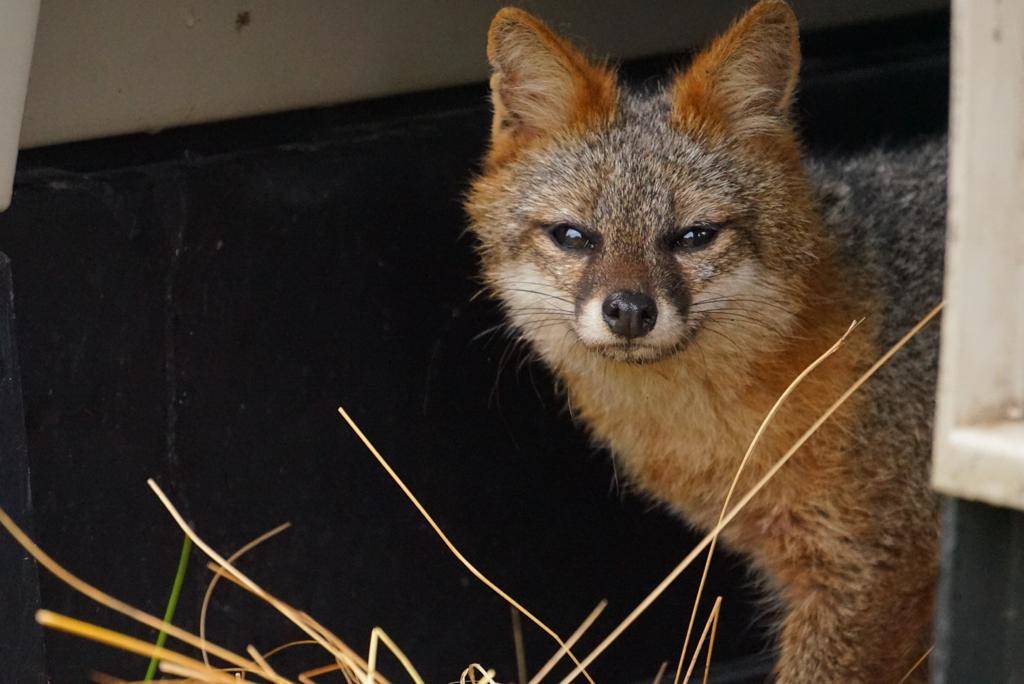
x: 172, y: 602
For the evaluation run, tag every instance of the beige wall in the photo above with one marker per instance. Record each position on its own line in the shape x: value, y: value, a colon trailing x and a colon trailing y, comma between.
x: 105, y: 67
x: 17, y: 28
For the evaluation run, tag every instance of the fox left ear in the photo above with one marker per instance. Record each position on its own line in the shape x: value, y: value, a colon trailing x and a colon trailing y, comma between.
x: 541, y: 84
x: 744, y: 82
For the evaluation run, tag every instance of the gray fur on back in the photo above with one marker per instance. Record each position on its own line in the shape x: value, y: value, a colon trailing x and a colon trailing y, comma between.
x: 888, y: 210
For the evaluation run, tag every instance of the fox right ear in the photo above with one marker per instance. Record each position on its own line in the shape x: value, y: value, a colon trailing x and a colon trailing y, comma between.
x: 744, y: 81
x: 540, y: 83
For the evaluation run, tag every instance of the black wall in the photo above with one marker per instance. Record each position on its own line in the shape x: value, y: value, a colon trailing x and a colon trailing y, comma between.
x: 21, y: 648
x: 194, y: 305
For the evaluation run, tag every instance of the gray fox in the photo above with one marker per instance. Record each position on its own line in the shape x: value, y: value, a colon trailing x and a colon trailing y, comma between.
x: 676, y: 262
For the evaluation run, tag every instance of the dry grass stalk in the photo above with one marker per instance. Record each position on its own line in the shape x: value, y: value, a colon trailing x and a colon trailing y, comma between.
x: 917, y: 664
x: 573, y: 638
x: 517, y: 643
x: 350, y: 663
x: 735, y: 510
x: 258, y: 658
x: 379, y: 636
x: 711, y: 621
x: 468, y: 675
x: 736, y: 478
x: 451, y: 547
x: 711, y: 647
x: 307, y: 676
x: 102, y: 678
x: 661, y: 673
x: 346, y: 672
x: 218, y: 573
x: 350, y: 666
x: 124, y: 642
x: 283, y: 647
x: 291, y: 644
x: 190, y: 674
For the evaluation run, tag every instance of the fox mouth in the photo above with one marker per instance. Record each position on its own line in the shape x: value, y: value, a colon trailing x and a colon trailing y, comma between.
x: 638, y: 353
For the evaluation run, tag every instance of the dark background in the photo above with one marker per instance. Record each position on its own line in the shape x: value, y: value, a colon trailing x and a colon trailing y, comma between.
x: 193, y: 306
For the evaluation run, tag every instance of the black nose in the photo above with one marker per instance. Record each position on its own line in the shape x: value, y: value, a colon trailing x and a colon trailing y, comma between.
x: 629, y: 314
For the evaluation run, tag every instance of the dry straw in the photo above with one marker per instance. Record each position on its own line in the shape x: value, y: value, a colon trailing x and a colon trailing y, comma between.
x: 349, y: 663
x: 218, y: 574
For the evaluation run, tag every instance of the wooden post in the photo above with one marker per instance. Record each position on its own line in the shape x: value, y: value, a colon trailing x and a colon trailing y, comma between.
x: 979, y: 439
x: 979, y: 446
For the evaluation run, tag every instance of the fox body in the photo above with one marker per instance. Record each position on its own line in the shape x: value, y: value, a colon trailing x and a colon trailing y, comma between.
x: 676, y: 262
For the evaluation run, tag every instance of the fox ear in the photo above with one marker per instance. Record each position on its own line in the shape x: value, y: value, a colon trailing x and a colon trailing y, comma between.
x: 541, y: 83
x: 743, y: 82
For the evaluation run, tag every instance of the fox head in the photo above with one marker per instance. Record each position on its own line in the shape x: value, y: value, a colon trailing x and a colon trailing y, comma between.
x: 633, y: 227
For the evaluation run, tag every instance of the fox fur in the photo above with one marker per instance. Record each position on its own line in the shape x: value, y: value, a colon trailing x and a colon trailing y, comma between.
x: 845, y: 536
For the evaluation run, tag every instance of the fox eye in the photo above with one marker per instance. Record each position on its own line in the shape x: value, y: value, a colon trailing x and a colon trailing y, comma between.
x: 568, y: 236
x: 694, y: 237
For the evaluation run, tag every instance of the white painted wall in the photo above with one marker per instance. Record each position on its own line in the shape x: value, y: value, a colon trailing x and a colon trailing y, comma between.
x: 17, y: 32
x: 106, y: 67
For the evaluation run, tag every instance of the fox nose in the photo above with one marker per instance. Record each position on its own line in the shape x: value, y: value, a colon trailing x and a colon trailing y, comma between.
x: 629, y: 314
